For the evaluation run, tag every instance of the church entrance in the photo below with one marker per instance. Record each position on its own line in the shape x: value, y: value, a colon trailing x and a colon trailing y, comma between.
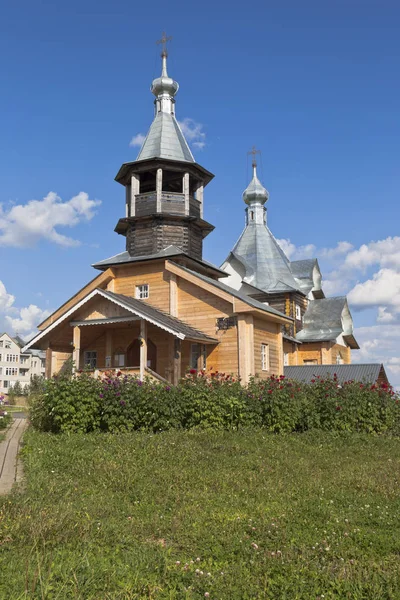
x: 133, y: 355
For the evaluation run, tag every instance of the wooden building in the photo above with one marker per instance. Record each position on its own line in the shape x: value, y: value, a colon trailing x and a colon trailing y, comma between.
x: 321, y: 330
x: 158, y: 308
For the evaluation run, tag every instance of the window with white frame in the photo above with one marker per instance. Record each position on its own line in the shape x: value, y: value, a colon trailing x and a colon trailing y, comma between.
x: 5, y: 384
x: 310, y: 361
x: 1, y: 370
x: 142, y: 291
x: 11, y: 371
x: 298, y: 312
x: 7, y: 344
x: 1, y: 343
x: 265, y: 357
x: 119, y: 358
x: 90, y: 359
x: 12, y: 358
x: 286, y: 359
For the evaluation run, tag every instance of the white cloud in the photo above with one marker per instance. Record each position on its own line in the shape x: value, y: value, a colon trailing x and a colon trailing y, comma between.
x: 338, y: 251
x: 137, y: 140
x: 193, y: 132
x: 23, y: 225
x: 297, y: 252
x: 382, y: 289
x: 25, y: 324
x: 6, y: 300
x: 22, y: 321
x: 385, y: 253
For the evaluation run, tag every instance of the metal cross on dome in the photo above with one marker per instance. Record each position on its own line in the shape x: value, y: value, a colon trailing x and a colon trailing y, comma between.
x: 163, y: 41
x: 254, y: 152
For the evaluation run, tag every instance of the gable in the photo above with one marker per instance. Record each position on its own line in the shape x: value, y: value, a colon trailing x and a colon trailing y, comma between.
x: 100, y: 281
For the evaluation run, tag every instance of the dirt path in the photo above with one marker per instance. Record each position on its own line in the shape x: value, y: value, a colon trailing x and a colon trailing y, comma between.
x: 10, y: 466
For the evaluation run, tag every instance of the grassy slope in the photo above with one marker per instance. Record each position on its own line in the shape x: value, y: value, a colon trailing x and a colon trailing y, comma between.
x: 107, y: 516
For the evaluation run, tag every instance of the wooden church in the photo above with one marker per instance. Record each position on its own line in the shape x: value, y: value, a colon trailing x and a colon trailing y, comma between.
x: 158, y: 309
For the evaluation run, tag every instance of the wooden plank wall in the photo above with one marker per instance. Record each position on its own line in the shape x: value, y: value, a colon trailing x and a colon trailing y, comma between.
x: 153, y: 274
x: 267, y: 333
x: 201, y: 309
x: 345, y: 353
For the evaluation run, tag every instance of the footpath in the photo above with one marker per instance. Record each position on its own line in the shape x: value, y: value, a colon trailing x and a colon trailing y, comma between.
x: 10, y: 465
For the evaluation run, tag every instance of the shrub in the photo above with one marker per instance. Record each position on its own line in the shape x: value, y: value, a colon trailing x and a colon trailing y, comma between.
x: 119, y: 402
x: 5, y: 417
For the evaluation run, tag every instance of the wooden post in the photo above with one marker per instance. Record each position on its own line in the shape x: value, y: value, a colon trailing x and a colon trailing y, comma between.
x: 186, y: 192
x: 108, y: 348
x: 159, y: 190
x: 245, y: 347
x: 143, y: 348
x: 49, y: 358
x: 173, y: 295
x: 199, y: 197
x: 134, y: 190
x: 177, y: 360
x: 280, y: 349
x: 127, y: 199
x: 77, y: 348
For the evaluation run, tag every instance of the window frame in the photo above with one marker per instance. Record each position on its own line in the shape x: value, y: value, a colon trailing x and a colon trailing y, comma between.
x: 200, y: 352
x: 88, y: 363
x: 265, y: 357
x: 298, y: 312
x: 142, y: 291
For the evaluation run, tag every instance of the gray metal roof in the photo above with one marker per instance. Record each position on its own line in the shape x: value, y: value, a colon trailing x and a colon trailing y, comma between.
x: 322, y: 320
x: 165, y: 140
x: 157, y: 315
x: 125, y: 257
x: 267, y: 266
x: 169, y: 252
x: 302, y: 270
x: 363, y: 372
x: 235, y: 293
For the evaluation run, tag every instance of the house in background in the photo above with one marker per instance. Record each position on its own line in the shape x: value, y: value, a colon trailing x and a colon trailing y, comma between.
x: 16, y: 365
x: 159, y: 308
x: 321, y: 329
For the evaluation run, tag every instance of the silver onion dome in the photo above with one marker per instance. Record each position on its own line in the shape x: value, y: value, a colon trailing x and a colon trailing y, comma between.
x: 255, y: 191
x: 164, y: 84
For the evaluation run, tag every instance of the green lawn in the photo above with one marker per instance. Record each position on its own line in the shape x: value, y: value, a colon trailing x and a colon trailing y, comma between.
x: 182, y: 515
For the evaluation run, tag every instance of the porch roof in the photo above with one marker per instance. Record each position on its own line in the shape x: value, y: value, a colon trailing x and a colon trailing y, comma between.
x: 135, y: 307
x: 160, y: 318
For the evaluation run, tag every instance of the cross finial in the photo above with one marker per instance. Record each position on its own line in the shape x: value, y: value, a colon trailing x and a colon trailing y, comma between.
x: 253, y: 152
x: 163, y: 41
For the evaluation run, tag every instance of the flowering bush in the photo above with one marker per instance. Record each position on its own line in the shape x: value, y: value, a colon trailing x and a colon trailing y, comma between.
x: 5, y: 417
x: 118, y: 402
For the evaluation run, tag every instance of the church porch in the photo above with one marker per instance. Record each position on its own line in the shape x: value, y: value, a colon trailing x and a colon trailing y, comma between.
x: 107, y: 331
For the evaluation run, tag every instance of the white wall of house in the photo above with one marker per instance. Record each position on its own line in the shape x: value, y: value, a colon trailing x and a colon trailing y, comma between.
x: 15, y: 366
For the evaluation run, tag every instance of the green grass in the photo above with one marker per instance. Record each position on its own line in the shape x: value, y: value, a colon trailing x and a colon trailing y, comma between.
x: 260, y: 516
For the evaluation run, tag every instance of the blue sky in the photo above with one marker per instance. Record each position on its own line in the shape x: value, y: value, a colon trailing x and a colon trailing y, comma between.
x: 314, y: 85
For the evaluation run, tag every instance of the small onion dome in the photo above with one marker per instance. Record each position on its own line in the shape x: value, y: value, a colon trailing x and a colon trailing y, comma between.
x: 164, y: 84
x: 255, y: 191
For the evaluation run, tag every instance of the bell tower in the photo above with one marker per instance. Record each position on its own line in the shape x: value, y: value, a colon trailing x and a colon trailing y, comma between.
x: 164, y: 186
